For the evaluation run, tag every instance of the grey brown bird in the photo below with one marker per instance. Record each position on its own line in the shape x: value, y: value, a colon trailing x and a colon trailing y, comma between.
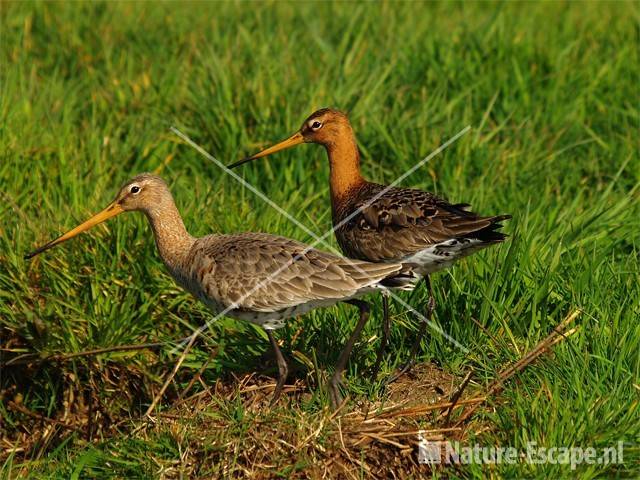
x: 257, y: 277
x: 378, y: 223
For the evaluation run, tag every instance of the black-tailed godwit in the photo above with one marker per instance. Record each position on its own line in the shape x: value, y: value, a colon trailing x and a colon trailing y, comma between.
x: 257, y: 277
x: 377, y: 223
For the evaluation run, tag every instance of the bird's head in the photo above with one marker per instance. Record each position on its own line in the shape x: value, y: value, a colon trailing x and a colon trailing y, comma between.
x: 325, y: 127
x: 143, y: 192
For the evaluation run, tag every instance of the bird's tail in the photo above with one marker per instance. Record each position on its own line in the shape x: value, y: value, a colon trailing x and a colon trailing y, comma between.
x: 490, y: 233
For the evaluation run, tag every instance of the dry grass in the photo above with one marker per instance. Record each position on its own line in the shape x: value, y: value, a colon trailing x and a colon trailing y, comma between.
x: 370, y: 438
x: 373, y: 438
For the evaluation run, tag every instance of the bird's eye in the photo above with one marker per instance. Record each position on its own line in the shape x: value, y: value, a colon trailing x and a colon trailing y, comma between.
x: 315, y: 125
x: 135, y: 189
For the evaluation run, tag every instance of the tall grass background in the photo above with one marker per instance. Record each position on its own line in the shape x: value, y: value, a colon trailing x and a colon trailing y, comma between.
x: 89, y: 91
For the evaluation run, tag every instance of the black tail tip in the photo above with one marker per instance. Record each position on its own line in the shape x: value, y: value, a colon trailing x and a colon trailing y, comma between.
x: 500, y: 218
x: 491, y: 233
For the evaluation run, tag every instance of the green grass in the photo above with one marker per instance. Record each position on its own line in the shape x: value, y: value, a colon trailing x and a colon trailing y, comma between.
x: 88, y: 93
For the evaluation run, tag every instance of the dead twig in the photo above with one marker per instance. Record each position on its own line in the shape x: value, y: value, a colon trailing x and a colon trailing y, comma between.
x: 90, y: 409
x: 486, y: 332
x: 387, y: 441
x: 456, y: 396
x: 196, y: 377
x: 422, y: 409
x: 557, y: 335
x: 24, y: 410
x: 62, y: 357
x: 157, y: 398
x: 423, y: 432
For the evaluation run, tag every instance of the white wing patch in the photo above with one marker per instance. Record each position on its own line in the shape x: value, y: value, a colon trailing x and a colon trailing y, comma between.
x: 443, y: 255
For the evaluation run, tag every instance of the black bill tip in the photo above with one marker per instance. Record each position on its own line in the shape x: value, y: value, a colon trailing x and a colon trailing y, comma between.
x: 37, y: 251
x: 239, y: 162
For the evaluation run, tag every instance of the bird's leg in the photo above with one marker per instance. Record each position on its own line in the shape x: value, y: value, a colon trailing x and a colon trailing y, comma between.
x: 336, y: 379
x: 283, y: 370
x: 424, y: 322
x: 386, y: 325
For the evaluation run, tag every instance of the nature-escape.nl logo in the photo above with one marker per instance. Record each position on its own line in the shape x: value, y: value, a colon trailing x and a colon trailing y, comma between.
x: 432, y: 452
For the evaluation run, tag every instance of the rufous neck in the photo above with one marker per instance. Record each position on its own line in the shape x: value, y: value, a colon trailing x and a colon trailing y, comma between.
x: 344, y: 163
x: 172, y: 239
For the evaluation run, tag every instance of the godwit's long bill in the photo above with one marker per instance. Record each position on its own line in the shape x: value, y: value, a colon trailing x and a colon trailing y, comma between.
x: 378, y: 223
x: 264, y: 279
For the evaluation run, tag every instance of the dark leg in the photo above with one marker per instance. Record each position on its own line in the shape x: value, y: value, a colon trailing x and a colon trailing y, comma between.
x: 431, y: 304
x: 283, y: 370
x: 386, y: 325
x: 336, y: 379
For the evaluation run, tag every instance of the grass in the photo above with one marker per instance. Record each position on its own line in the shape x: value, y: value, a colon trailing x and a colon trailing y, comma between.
x: 88, y: 93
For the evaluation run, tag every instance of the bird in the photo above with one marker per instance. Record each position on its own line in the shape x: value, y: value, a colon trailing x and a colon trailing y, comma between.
x: 256, y: 277
x: 379, y: 223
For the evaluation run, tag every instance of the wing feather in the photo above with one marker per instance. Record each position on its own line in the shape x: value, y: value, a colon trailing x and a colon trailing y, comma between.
x: 266, y: 273
x: 399, y: 222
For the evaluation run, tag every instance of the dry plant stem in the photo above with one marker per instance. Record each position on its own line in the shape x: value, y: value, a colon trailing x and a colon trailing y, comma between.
x: 90, y: 401
x: 26, y: 411
x: 196, y: 377
x: 456, y: 396
x: 68, y: 356
x: 157, y: 398
x: 554, y: 337
x: 286, y: 388
x: 486, y: 332
x: 337, y: 411
x: 422, y: 409
x: 423, y: 432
